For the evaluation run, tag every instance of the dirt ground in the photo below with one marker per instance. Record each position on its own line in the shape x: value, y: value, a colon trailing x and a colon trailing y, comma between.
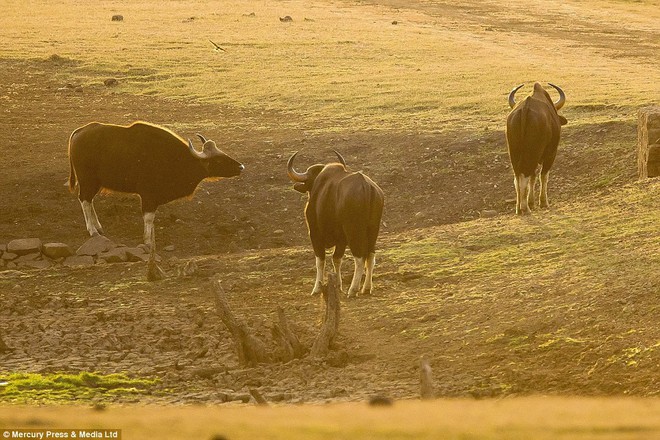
x: 249, y: 231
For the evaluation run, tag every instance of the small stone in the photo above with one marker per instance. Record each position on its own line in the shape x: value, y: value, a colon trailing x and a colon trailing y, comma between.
x: 136, y: 254
x: 95, y: 245
x: 117, y: 17
x: 111, y: 82
x: 488, y: 213
x: 9, y: 256
x: 278, y: 231
x: 56, y: 250
x: 79, y: 261
x: 36, y: 264
x: 117, y: 255
x: 169, y: 248
x: 24, y: 246
x: 26, y: 258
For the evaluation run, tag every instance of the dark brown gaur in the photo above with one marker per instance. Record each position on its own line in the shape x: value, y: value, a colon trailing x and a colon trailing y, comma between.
x: 532, y: 132
x: 143, y: 159
x: 343, y: 209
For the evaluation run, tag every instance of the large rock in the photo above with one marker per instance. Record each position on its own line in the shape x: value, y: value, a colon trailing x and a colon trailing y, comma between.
x: 56, y: 250
x: 79, y: 261
x: 24, y: 246
x: 95, y: 246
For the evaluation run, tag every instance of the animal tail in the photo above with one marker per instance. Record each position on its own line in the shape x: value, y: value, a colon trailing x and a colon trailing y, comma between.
x: 375, y: 216
x: 73, y: 181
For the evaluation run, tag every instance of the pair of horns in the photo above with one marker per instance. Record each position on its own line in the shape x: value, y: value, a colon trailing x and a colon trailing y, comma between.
x: 210, y: 148
x: 302, y: 177
x: 558, y: 103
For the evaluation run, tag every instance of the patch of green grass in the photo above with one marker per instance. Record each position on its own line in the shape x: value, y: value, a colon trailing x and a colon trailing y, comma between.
x: 63, y: 387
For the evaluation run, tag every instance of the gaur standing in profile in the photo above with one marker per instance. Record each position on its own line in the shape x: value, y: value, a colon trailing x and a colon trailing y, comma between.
x: 143, y: 159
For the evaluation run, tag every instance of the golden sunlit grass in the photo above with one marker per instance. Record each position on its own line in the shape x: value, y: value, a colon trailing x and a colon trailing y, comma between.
x: 512, y: 419
x: 346, y: 64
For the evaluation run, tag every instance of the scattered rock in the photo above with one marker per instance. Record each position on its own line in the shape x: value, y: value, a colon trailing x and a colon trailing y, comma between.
x: 9, y: 256
x: 56, y: 250
x: 169, y: 248
x: 395, y: 22
x: 116, y: 255
x: 111, y: 82
x: 79, y: 261
x: 286, y: 18
x: 95, y: 246
x: 24, y: 246
x: 136, y: 254
x: 117, y: 17
x: 25, y: 258
x: 37, y: 264
x: 278, y: 232
x: 488, y: 213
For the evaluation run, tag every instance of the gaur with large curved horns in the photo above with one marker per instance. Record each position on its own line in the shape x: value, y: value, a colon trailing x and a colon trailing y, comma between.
x: 343, y: 208
x: 143, y: 159
x: 532, y: 134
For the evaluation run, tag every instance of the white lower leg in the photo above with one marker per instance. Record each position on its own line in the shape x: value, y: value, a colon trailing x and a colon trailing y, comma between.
x: 357, y: 277
x: 523, y: 191
x: 336, y: 262
x: 371, y: 262
x: 95, y: 219
x: 320, y: 268
x: 149, y: 234
x: 88, y: 212
x: 544, y: 191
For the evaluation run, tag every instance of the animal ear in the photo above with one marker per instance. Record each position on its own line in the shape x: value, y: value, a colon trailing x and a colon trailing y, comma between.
x: 210, y: 147
x: 301, y: 187
x: 562, y: 120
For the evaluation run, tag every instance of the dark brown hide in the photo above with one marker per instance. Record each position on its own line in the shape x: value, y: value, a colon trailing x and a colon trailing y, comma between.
x: 532, y: 133
x: 142, y: 158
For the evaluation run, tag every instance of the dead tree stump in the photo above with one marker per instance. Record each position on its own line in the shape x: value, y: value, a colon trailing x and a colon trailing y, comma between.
x: 291, y: 346
x: 427, y: 388
x: 330, y: 325
x: 648, y: 142
x: 287, y: 346
x: 251, y: 351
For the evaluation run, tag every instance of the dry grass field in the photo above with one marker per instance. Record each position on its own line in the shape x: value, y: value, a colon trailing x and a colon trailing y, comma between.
x: 563, y: 303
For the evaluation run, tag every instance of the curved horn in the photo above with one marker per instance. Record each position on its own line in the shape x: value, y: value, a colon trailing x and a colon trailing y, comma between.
x: 293, y: 174
x: 512, y: 99
x: 201, y: 138
x: 562, y: 96
x: 341, y: 158
x: 194, y: 152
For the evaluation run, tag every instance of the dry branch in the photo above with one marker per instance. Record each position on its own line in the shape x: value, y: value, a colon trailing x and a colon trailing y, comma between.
x: 287, y: 339
x: 258, y: 397
x: 251, y: 351
x: 427, y: 388
x: 330, y: 324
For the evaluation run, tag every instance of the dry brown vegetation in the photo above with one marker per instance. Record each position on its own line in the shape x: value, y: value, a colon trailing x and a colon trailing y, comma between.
x: 562, y: 303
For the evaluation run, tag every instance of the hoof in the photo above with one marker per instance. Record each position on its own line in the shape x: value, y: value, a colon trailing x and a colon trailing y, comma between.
x: 352, y: 294
x: 365, y: 292
x: 315, y: 292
